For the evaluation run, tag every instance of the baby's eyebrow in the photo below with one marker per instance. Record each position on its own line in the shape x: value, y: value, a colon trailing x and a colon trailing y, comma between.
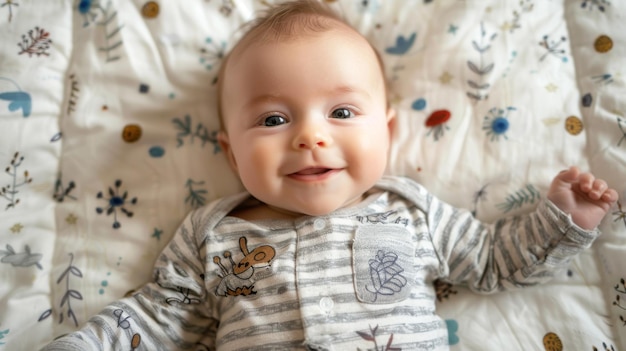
x: 347, y: 89
x: 261, y: 99
x: 339, y: 90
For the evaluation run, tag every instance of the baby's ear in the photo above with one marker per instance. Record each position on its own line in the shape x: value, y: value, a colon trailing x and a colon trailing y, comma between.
x: 391, y: 114
x: 224, y: 141
x: 391, y: 121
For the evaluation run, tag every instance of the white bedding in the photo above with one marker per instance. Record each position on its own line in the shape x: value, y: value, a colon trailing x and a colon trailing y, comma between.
x: 107, y: 139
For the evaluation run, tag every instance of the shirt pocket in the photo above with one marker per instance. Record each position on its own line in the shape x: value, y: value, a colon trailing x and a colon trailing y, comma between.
x: 383, y: 263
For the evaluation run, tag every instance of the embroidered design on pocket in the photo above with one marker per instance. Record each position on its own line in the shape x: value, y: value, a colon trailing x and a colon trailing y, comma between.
x: 383, y: 263
x: 386, y: 275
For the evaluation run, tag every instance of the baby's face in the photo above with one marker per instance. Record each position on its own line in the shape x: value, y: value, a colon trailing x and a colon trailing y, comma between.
x: 307, y: 125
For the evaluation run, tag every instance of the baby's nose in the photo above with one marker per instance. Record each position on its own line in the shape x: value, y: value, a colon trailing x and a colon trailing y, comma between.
x: 311, y: 136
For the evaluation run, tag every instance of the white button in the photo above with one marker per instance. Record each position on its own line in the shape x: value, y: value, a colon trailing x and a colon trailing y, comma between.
x: 319, y: 224
x: 326, y: 304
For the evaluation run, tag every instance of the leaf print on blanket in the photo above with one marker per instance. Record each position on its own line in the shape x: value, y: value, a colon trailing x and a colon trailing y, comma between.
x: 197, y: 194
x: 479, y: 86
x: 619, y: 303
x: 622, y: 129
x: 524, y: 6
x: 605, y: 347
x: 106, y: 17
x: 620, y: 214
x: 61, y: 192
x: 187, y: 131
x: 386, y: 274
x: 3, y: 333
x: 36, y: 43
x: 9, y: 4
x: 70, y: 294
x: 9, y: 192
x: 527, y: 195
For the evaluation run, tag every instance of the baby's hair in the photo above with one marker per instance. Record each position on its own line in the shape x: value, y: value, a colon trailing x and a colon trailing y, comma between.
x: 289, y: 20
x: 281, y: 22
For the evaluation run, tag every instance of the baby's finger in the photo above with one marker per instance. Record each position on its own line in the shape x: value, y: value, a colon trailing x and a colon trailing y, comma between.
x: 586, y: 180
x: 610, y: 196
x: 598, y: 189
x: 568, y: 176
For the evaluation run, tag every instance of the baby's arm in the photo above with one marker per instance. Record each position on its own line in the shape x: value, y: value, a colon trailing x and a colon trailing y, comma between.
x: 581, y: 195
x: 169, y: 313
x: 522, y: 250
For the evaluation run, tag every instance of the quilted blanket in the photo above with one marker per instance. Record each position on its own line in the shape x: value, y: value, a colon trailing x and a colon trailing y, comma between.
x: 108, y: 139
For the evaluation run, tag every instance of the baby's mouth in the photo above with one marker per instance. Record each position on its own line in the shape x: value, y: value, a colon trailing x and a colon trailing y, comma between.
x: 313, y: 173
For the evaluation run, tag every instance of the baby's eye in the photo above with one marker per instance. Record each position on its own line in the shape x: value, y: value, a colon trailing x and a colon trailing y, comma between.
x: 342, y: 113
x: 273, y: 121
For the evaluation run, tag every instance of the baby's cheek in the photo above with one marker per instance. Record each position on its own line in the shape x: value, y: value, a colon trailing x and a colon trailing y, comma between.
x: 372, y: 154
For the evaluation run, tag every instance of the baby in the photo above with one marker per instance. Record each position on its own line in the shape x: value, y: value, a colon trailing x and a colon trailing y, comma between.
x: 324, y: 252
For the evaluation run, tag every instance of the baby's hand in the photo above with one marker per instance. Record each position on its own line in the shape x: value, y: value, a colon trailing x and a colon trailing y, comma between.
x: 581, y: 195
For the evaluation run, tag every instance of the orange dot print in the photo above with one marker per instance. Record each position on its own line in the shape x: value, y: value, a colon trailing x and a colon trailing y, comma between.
x: 573, y: 125
x: 603, y: 44
x: 150, y: 9
x: 131, y: 133
x: 552, y: 342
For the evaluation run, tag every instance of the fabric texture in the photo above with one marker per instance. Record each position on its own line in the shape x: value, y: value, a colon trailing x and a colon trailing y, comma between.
x: 108, y: 140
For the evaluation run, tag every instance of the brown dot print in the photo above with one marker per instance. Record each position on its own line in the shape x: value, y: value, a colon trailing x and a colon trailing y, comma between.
x: 603, y: 44
x: 131, y: 133
x: 552, y: 342
x: 135, y: 341
x: 573, y: 125
x: 150, y: 9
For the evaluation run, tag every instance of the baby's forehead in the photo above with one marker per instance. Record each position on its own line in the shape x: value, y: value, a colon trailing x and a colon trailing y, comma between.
x: 260, y: 39
x: 254, y: 56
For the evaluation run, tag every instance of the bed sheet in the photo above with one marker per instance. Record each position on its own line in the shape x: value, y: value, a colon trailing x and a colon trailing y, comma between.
x: 108, y: 138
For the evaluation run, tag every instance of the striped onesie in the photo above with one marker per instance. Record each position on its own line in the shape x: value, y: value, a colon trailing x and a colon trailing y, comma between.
x: 359, y: 277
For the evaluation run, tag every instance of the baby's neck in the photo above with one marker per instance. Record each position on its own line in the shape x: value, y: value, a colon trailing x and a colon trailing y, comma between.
x: 263, y: 211
x: 255, y: 210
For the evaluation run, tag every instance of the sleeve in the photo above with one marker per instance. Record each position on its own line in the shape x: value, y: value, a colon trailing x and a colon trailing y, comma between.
x: 170, y: 313
x: 511, y: 253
